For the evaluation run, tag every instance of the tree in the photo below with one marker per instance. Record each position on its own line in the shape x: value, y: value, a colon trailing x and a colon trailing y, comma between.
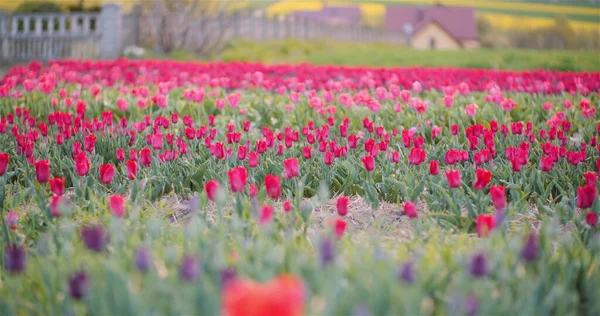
x: 564, y: 33
x: 196, y: 25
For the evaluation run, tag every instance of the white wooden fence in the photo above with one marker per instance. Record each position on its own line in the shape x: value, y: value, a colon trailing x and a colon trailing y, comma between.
x: 103, y: 35
x: 53, y: 36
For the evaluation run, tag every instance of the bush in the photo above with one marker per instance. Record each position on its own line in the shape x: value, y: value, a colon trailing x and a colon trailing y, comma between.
x: 38, y: 7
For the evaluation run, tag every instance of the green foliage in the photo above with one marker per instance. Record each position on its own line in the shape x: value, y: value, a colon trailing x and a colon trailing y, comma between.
x: 326, y: 52
x: 38, y: 7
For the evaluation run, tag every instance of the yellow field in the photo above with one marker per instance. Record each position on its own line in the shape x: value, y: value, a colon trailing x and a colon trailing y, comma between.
x: 374, y: 12
x: 517, y: 6
x: 507, y: 21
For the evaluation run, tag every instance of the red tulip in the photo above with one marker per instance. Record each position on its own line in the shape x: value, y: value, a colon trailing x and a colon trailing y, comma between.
x: 131, y: 169
x: 590, y: 178
x: 591, y: 219
x: 107, y: 172
x: 339, y: 227
x: 82, y: 164
x: 89, y: 142
x: 57, y: 186
x: 273, y: 186
x: 266, y: 214
x: 238, y: 177
x: 416, y: 156
x: 546, y: 163
x: 241, y: 153
x: 342, y: 205
x: 116, y: 203
x: 287, y: 205
x: 55, y: 203
x: 42, y: 170
x: 498, y: 196
x: 586, y: 196
x: 484, y: 225
x: 212, y: 188
x: 307, y: 152
x: 410, y: 209
x: 434, y: 167
x: 368, y: 162
x: 253, y: 159
x: 328, y: 158
x: 482, y: 179
x: 146, y: 157
x: 454, y: 129
x: 291, y: 168
x: 282, y: 296
x: 133, y: 155
x: 157, y: 141
x: 3, y: 163
x: 395, y: 157
x: 453, y: 178
x: 120, y: 154
x: 253, y: 190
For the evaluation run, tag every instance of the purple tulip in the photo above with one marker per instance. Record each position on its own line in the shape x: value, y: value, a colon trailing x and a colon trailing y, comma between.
x: 479, y: 265
x: 327, y: 251
x: 228, y: 275
x: 499, y: 217
x: 94, y: 237
x: 143, y: 259
x: 407, y: 273
x: 15, y: 258
x: 79, y: 285
x: 189, y: 269
x: 531, y: 248
x: 471, y: 305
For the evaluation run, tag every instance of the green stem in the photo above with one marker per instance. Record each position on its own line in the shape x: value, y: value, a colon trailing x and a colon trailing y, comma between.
x: 3, y: 197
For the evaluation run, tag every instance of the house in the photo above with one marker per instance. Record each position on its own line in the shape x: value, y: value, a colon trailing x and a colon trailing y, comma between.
x: 435, y: 27
x: 334, y: 15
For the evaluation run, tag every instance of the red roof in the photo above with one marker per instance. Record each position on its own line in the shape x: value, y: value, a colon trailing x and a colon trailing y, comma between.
x: 458, y: 21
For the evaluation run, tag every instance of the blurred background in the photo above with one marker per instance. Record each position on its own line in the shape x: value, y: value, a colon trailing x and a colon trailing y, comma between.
x: 496, y: 34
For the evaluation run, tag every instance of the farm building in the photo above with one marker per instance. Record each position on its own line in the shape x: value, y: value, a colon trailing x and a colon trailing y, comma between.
x: 436, y: 27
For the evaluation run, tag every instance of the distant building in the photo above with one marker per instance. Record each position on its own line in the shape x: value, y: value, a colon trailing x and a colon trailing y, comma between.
x: 435, y: 27
x: 350, y: 15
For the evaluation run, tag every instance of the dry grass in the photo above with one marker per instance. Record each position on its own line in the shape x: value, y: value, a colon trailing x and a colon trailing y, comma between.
x: 388, y: 221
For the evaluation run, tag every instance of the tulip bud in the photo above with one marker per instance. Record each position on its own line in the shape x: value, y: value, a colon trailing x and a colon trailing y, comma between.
x: 531, y: 248
x: 190, y: 268
x: 143, y: 259
x: 79, y: 285
x: 479, y: 265
x: 407, y: 273
x: 228, y: 275
x: 342, y: 205
x: 94, y: 237
x: 327, y: 251
x: 15, y: 258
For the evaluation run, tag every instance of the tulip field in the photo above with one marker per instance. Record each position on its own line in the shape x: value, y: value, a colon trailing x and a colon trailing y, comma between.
x: 172, y: 188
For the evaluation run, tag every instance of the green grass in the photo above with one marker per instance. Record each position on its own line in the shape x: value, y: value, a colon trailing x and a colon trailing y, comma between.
x: 324, y: 52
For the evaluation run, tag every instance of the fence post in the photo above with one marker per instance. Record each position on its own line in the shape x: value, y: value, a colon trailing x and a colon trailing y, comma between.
x: 137, y: 15
x: 290, y: 26
x: 236, y: 24
x: 1, y: 35
x: 110, y: 21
